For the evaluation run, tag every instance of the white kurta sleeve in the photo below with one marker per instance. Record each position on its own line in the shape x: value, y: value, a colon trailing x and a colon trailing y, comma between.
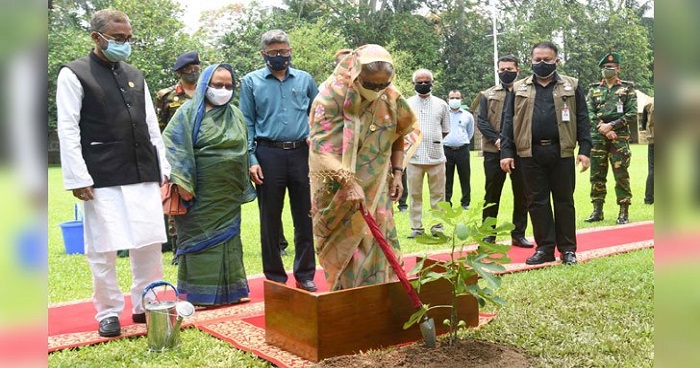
x: 69, y: 101
x: 154, y: 132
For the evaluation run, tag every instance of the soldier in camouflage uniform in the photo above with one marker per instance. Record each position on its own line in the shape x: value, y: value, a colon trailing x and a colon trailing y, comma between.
x: 168, y: 100
x: 612, y: 107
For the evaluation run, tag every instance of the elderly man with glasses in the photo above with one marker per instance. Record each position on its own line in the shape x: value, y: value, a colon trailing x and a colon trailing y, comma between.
x: 113, y: 159
x: 275, y: 101
x: 434, y: 118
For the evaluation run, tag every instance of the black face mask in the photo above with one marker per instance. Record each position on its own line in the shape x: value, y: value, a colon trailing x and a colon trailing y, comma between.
x: 190, y: 77
x: 507, y: 77
x: 544, y: 70
x: 423, y: 89
x: 278, y: 62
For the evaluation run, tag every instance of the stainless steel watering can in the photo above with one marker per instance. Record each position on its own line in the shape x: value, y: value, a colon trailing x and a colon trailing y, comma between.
x: 164, y: 317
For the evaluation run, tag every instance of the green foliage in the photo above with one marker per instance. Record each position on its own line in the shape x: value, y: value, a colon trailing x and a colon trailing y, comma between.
x: 452, y: 39
x: 464, y: 227
x: 314, y: 48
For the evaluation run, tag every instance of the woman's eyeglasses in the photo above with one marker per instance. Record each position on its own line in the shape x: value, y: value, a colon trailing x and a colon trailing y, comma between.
x: 221, y: 85
x: 280, y: 52
x: 375, y: 86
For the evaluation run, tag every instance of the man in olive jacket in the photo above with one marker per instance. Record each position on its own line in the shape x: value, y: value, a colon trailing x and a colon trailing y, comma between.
x: 544, y: 118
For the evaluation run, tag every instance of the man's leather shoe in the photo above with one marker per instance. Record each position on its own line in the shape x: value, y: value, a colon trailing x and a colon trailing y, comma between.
x: 307, y: 285
x: 540, y: 257
x: 568, y: 258
x: 109, y: 327
x: 521, y: 242
x: 489, y: 239
x: 138, y: 317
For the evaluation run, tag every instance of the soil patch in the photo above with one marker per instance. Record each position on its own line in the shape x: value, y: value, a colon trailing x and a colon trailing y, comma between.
x: 465, y: 353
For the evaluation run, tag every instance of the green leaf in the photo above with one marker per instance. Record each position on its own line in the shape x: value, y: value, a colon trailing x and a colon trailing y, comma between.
x: 461, y: 231
x: 415, y: 317
x: 431, y: 240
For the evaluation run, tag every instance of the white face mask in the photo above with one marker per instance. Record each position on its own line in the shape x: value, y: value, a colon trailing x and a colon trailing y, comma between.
x: 455, y: 103
x: 218, y: 97
x: 369, y: 94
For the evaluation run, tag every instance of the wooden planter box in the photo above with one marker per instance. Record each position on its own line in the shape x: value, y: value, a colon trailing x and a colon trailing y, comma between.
x: 319, y: 326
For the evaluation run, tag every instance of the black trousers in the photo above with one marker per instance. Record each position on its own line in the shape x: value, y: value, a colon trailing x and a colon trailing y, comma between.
x: 458, y: 159
x: 649, y: 192
x: 546, y: 175
x: 495, y: 178
x: 285, y: 170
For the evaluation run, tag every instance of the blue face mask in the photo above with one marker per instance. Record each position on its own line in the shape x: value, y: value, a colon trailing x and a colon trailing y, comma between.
x: 116, y: 52
x: 278, y: 62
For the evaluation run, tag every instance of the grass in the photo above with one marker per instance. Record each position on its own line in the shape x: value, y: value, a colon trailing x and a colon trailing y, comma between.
x: 69, y: 279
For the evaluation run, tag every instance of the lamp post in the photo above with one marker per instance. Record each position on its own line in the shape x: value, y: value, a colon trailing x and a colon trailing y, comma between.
x: 494, y: 11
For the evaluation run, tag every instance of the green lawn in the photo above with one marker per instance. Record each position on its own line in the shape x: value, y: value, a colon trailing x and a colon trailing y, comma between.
x: 541, y: 329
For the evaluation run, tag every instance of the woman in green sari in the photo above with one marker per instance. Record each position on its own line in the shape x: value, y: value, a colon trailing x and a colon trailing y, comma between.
x: 206, y: 144
x: 360, y: 128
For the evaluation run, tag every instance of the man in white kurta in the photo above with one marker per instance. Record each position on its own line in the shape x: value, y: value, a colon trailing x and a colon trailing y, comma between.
x: 128, y: 216
x: 429, y: 159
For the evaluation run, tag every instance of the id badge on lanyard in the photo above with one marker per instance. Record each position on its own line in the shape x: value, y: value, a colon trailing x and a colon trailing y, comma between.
x: 565, y: 114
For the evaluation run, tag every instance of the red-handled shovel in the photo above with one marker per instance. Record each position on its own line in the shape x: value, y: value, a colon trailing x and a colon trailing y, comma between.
x: 427, y: 327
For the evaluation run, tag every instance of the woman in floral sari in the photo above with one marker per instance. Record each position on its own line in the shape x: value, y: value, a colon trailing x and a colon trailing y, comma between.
x: 358, y: 126
x: 206, y: 144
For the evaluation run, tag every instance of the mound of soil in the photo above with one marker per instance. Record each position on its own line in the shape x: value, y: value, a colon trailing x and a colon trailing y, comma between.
x: 464, y: 353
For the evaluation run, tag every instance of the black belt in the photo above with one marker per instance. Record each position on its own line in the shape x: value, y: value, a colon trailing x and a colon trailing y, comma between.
x: 282, y: 145
x: 546, y: 142
x: 457, y: 148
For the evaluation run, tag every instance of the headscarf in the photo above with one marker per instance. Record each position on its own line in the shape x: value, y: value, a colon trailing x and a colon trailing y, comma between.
x: 184, y: 127
x: 340, y: 102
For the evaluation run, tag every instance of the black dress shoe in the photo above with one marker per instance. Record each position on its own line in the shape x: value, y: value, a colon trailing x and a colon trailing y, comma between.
x: 307, y: 285
x: 540, y: 257
x: 568, y: 258
x: 138, y: 317
x: 489, y: 239
x: 109, y: 327
x: 521, y: 242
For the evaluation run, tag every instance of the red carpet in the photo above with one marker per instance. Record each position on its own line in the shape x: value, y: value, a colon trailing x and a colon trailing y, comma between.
x: 72, y: 324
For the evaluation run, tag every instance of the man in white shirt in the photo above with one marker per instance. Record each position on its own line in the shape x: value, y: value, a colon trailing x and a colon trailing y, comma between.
x: 113, y: 159
x: 457, y: 149
x: 429, y: 159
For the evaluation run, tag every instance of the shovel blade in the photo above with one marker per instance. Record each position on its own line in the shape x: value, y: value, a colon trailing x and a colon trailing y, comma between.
x: 427, y: 329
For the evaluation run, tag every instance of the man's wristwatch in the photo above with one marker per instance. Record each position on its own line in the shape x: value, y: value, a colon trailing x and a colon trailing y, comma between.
x: 396, y: 168
x: 614, y: 123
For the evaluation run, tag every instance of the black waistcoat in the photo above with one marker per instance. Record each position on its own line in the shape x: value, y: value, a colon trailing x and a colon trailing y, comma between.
x: 114, y: 136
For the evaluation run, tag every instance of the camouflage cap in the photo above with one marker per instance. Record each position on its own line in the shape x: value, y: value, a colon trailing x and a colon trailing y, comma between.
x: 610, y: 57
x: 190, y: 57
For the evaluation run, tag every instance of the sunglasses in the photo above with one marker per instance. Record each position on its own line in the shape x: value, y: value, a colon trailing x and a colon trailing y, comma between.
x: 375, y: 86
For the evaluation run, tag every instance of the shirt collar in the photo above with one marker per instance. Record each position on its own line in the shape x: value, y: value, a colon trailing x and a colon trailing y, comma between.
x: 291, y: 72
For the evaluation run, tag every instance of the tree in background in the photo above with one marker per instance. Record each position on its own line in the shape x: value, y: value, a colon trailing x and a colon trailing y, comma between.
x: 450, y: 37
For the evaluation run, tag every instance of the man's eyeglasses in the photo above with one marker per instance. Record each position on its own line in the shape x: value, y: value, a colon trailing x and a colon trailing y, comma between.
x: 280, y: 52
x: 221, y: 85
x: 119, y: 41
x: 424, y: 82
x: 375, y: 86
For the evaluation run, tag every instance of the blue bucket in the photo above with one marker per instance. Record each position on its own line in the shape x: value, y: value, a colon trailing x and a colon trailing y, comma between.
x: 73, y: 234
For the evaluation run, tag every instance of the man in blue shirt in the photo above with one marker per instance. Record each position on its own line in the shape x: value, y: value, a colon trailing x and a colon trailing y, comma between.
x: 457, y: 149
x: 275, y: 102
